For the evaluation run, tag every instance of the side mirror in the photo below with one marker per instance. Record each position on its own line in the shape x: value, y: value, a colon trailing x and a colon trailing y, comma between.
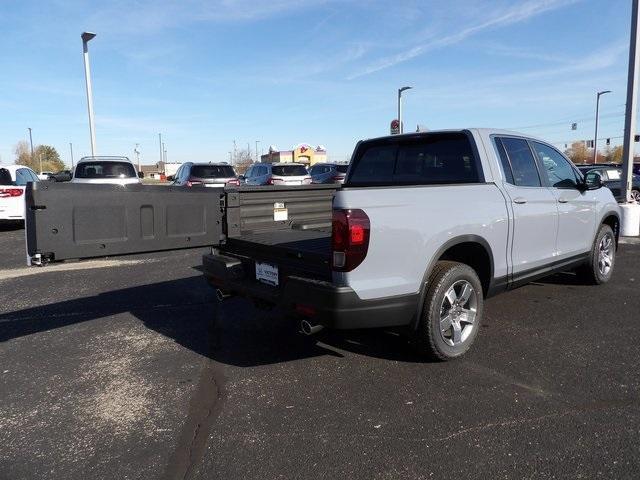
x: 593, y: 180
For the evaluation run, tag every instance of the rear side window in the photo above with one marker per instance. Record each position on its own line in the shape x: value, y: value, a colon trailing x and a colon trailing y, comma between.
x: 212, y: 171
x: 424, y: 160
x: 23, y: 176
x: 5, y: 177
x: 105, y: 170
x: 504, y: 162
x: 288, y: 170
x: 342, y: 168
x: 523, y: 165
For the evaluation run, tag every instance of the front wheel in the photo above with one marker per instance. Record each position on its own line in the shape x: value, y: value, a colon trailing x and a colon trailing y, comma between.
x: 599, y: 267
x: 451, y: 313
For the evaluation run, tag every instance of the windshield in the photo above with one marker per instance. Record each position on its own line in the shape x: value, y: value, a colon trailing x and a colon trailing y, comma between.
x: 212, y: 171
x: 342, y: 168
x: 289, y: 170
x: 105, y: 170
x: 5, y: 177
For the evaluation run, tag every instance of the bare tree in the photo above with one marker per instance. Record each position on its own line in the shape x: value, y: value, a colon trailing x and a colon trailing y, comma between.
x: 242, y: 161
x: 23, y: 154
x: 578, y: 152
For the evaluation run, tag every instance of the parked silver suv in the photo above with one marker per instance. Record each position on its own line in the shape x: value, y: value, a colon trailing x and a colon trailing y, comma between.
x: 110, y: 170
x: 277, y: 174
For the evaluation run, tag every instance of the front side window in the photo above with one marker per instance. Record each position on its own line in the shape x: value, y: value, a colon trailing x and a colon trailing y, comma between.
x: 559, y: 171
x: 523, y: 165
x: 105, y: 170
x: 424, y: 160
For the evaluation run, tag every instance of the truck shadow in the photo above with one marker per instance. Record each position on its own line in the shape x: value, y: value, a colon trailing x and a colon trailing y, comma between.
x: 185, y: 310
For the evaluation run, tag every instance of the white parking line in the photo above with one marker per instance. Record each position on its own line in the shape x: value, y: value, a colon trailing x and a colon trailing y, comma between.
x: 9, y: 274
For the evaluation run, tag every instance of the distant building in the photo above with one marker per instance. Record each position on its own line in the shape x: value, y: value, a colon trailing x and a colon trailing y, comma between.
x: 302, y: 153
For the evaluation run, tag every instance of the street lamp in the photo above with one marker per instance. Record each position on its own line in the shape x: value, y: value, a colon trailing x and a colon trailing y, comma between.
x: 257, y: 142
x: 400, y: 90
x: 595, y: 139
x: 31, y: 142
x: 86, y: 37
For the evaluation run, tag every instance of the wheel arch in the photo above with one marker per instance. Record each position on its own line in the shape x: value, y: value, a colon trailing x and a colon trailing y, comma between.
x: 472, y: 250
x: 612, y: 219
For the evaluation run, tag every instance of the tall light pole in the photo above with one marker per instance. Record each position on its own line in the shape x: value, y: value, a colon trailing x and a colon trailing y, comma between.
x: 31, y: 142
x: 71, y: 149
x: 137, y: 152
x: 595, y: 138
x: 86, y: 37
x: 400, y: 90
x: 632, y: 99
x: 160, y: 144
x: 257, y: 142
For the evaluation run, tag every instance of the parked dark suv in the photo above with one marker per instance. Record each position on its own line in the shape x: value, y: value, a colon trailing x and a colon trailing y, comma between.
x: 612, y: 179
x: 205, y: 174
x: 328, y: 172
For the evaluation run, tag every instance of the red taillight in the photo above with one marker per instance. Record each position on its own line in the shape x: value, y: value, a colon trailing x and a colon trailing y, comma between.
x: 338, y: 178
x: 349, y: 239
x: 192, y: 183
x: 10, y: 192
x: 235, y: 182
x: 305, y: 310
x: 270, y: 181
x: 306, y: 180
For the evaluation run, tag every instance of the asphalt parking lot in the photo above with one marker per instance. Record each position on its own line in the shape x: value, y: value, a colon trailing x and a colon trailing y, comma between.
x: 127, y: 368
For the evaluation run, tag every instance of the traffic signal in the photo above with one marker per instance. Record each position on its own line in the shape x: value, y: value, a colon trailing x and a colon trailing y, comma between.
x: 636, y: 138
x: 608, y: 141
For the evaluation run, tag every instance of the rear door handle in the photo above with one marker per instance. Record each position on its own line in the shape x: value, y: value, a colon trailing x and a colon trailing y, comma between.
x: 563, y: 200
x: 520, y: 200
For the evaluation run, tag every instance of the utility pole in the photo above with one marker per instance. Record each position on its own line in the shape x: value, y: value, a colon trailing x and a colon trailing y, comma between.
x: 71, y: 148
x: 595, y: 137
x: 31, y: 142
x: 257, y: 142
x: 137, y: 152
x: 86, y: 36
x: 40, y: 163
x: 630, y: 116
x: 400, y: 90
x: 230, y: 159
x: 164, y: 153
x: 160, y: 144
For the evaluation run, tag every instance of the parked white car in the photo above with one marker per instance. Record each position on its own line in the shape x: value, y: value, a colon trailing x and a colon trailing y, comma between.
x: 109, y: 170
x: 44, y: 175
x: 13, y: 180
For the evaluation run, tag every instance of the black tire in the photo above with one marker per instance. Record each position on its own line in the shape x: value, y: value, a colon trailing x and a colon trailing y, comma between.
x: 428, y: 337
x: 593, y: 273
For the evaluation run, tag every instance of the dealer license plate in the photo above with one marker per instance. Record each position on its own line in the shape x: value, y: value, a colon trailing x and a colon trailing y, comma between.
x: 267, y: 273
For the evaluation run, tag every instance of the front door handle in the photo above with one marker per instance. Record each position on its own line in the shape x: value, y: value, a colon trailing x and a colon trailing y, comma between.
x: 520, y: 200
x: 563, y: 200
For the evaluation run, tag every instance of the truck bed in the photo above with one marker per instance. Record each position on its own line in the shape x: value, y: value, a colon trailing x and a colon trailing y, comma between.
x: 296, y: 252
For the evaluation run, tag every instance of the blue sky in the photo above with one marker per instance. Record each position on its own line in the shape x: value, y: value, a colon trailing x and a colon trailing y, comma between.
x: 318, y: 71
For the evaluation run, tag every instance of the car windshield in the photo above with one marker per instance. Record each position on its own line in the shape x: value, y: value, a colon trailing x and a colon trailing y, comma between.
x: 288, y: 170
x: 212, y: 171
x: 105, y: 170
x: 342, y: 168
x: 5, y: 177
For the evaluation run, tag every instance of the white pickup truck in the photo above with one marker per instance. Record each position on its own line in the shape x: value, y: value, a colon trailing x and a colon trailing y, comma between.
x: 425, y: 227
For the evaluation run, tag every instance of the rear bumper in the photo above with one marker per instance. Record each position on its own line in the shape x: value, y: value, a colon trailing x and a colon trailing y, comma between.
x: 333, y: 306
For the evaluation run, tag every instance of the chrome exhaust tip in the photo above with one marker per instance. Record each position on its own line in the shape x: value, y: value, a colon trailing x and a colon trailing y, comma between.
x: 222, y: 295
x: 308, y: 328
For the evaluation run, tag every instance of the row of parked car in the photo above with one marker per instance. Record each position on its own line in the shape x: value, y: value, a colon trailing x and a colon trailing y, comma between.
x: 220, y: 174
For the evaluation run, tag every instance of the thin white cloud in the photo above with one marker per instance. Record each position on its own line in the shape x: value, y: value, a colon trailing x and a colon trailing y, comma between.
x: 515, y: 14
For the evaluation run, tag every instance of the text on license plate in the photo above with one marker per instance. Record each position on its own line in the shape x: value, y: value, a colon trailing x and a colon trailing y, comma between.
x: 267, y: 273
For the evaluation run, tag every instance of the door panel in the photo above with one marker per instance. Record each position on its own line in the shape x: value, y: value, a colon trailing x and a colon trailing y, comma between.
x: 576, y: 221
x: 67, y: 220
x: 535, y: 225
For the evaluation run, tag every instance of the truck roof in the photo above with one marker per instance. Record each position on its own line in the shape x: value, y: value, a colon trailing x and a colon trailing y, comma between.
x: 482, y: 131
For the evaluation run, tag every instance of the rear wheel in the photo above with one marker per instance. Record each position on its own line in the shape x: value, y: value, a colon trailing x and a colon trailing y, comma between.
x: 599, y: 268
x: 451, y: 313
x: 635, y: 196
